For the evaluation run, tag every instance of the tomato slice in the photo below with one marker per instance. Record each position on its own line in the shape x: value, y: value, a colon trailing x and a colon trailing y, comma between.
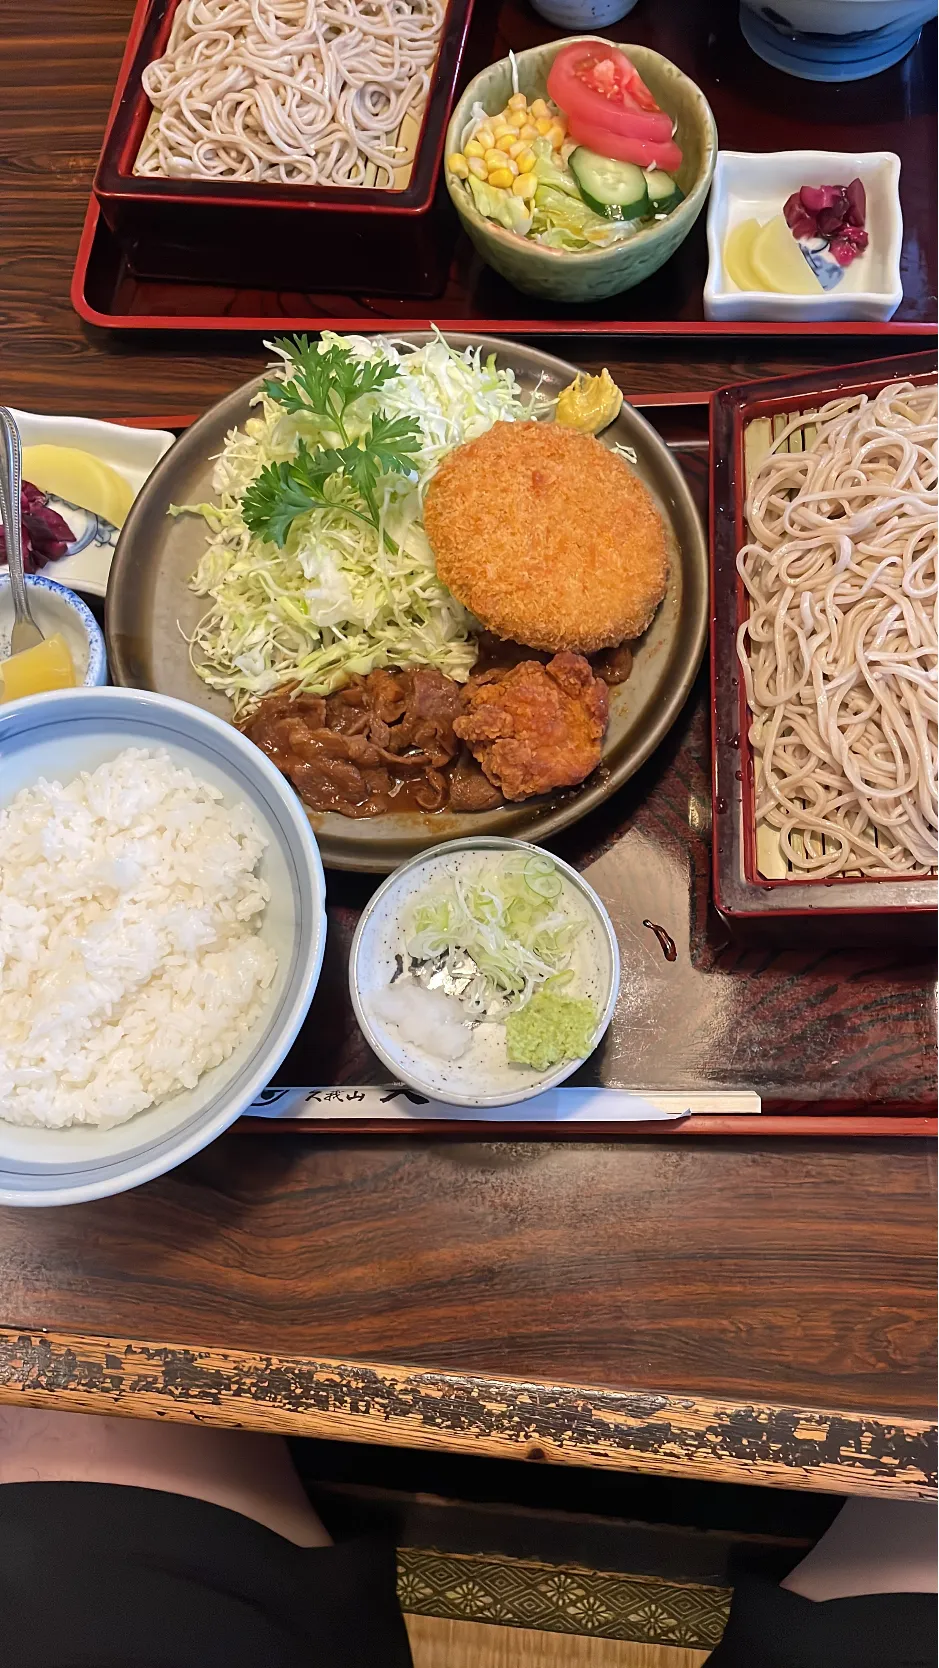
x: 643, y: 152
x: 599, y: 84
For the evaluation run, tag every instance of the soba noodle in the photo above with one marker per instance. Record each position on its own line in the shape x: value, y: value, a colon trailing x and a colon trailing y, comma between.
x: 297, y: 91
x: 839, y: 654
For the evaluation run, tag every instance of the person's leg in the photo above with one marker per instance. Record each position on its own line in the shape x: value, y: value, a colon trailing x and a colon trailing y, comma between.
x: 862, y: 1598
x: 873, y: 1546
x: 244, y: 1471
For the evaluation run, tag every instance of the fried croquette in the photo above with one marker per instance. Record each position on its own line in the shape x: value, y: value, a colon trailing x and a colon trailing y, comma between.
x: 547, y: 537
x: 535, y: 727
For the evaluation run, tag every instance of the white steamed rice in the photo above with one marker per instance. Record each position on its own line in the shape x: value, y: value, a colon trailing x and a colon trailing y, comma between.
x: 130, y: 961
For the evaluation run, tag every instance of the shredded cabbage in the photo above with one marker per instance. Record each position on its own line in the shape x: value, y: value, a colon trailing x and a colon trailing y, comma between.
x: 336, y: 600
x: 505, y: 913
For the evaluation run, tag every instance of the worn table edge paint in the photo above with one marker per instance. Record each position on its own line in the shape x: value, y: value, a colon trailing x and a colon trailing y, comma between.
x: 709, y: 1438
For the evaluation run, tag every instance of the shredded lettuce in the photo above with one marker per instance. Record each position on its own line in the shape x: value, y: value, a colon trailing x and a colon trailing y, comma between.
x: 338, y: 599
x: 506, y: 913
x: 502, y: 206
x: 563, y: 221
x: 559, y: 218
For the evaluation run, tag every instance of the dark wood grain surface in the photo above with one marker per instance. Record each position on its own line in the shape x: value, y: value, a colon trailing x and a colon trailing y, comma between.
x: 788, y: 1275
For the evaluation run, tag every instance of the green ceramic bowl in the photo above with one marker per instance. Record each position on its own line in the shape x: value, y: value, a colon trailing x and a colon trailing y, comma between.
x: 567, y: 275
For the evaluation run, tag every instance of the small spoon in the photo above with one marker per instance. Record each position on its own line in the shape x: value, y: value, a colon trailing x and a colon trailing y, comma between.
x: 26, y: 634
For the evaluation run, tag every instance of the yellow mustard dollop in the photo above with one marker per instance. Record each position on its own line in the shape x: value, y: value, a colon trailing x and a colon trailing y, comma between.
x: 589, y: 403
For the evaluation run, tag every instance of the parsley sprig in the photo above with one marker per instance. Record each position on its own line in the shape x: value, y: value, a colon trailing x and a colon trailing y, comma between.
x: 327, y: 386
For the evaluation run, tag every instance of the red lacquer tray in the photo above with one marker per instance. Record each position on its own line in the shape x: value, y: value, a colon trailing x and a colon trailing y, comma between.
x: 836, y: 1042
x: 757, y: 108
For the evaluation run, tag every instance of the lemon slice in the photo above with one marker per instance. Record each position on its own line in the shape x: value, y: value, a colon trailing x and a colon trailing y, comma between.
x: 738, y: 245
x: 80, y: 479
x: 779, y: 262
x: 47, y: 666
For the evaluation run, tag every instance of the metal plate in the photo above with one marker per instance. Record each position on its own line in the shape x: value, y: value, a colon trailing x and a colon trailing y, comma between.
x: 151, y: 612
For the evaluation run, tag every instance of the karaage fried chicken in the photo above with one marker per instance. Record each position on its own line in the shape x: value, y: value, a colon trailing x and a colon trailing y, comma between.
x: 535, y: 728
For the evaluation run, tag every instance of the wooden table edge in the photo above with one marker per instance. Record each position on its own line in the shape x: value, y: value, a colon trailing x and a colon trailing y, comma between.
x: 717, y: 1439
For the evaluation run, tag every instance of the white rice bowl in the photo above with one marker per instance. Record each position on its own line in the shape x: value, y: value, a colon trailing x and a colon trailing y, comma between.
x: 60, y: 735
x: 130, y: 961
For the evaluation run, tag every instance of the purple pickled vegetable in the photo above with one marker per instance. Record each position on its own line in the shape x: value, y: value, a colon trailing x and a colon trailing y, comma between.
x: 857, y: 203
x: 817, y: 198
x: 800, y: 223
x: 830, y: 220
x: 46, y: 536
x: 834, y: 213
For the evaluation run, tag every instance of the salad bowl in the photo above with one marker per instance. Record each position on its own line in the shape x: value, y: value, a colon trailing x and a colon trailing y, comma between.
x: 588, y: 275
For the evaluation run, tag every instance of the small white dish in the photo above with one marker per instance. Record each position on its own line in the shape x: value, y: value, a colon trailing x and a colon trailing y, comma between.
x: 56, y: 608
x: 133, y: 453
x: 483, y: 1076
x: 754, y: 185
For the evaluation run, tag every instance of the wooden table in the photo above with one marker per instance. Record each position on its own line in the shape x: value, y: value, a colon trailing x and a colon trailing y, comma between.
x: 755, y: 1310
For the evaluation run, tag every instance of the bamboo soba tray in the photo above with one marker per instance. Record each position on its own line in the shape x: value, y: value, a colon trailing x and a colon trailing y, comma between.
x: 390, y: 238
x: 752, y: 882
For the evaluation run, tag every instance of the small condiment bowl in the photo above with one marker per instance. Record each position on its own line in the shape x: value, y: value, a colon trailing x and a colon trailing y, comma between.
x: 55, y: 608
x: 755, y: 185
x: 483, y: 1076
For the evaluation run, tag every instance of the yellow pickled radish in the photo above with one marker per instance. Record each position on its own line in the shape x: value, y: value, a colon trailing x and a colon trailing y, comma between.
x: 738, y: 247
x: 80, y: 479
x: 34, y: 671
x: 779, y: 263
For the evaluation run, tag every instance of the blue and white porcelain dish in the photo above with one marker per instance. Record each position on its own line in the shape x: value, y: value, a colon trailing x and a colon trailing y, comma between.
x: 833, y: 40
x: 55, y: 608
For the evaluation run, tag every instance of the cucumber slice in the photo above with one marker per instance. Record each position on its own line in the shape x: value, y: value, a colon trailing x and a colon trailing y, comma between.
x: 617, y: 190
x: 664, y: 194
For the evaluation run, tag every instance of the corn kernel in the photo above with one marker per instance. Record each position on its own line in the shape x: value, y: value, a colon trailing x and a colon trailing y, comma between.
x: 518, y: 101
x: 544, y: 125
x: 501, y: 179
x: 473, y: 148
x: 518, y: 118
x: 538, y: 108
x: 459, y: 166
x: 517, y: 147
x: 529, y: 131
x: 557, y: 135
x: 494, y: 159
x: 477, y: 166
x: 501, y: 127
x: 525, y: 187
x: 526, y: 162
x: 484, y: 136
x: 506, y: 141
